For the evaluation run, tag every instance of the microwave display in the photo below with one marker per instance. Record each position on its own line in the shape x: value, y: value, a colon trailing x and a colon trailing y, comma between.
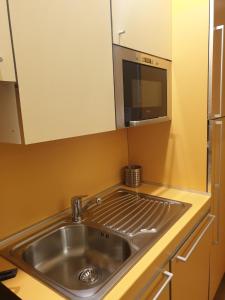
x: 145, y: 92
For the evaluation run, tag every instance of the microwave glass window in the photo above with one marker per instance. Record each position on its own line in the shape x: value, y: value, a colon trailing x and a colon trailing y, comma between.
x: 149, y: 92
x: 145, y: 91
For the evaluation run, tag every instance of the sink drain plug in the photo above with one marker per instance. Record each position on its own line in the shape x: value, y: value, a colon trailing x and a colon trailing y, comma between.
x: 89, y: 275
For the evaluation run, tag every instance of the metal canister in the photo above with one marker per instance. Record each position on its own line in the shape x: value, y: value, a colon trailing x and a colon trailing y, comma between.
x: 132, y: 175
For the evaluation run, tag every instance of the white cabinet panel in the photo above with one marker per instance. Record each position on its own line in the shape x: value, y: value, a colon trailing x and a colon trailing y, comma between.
x: 7, y: 70
x: 143, y: 25
x: 63, y: 53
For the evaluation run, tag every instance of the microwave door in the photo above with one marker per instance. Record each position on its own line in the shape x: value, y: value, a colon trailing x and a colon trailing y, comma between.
x: 142, y: 87
x: 145, y: 93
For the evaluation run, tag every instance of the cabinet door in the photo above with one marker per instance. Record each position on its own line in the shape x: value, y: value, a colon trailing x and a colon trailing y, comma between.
x: 63, y: 54
x: 7, y: 70
x: 217, y: 259
x: 143, y: 25
x: 190, y: 265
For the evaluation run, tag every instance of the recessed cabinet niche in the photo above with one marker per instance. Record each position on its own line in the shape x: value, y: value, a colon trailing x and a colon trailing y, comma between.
x: 63, y: 60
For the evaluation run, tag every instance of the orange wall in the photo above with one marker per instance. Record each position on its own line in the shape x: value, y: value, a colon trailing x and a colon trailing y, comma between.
x: 176, y: 153
x: 38, y: 180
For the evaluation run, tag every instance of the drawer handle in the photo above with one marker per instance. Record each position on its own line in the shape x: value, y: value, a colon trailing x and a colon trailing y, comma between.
x: 185, y: 258
x: 169, y: 277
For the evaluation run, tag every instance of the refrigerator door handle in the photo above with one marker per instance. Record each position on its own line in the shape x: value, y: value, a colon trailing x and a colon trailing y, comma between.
x: 221, y: 27
x: 217, y: 213
x: 218, y: 180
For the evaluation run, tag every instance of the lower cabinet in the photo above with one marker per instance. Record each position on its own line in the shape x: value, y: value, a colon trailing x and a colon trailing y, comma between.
x: 185, y: 276
x: 190, y: 265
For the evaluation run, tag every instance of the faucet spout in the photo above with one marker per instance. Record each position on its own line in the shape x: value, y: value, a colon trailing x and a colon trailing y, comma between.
x: 76, y: 208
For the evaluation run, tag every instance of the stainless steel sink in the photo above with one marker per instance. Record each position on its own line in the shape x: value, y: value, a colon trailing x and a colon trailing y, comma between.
x: 77, y: 257
x: 87, y: 259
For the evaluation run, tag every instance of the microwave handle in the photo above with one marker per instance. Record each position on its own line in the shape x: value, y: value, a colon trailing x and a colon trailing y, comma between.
x: 148, y: 121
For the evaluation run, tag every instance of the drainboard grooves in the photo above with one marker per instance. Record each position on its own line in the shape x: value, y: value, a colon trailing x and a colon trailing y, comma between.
x: 158, y: 220
x: 139, y: 222
x: 144, y: 223
x: 159, y: 216
x: 130, y: 213
x: 125, y: 225
x: 112, y: 210
x: 109, y: 203
x: 133, y: 213
x: 157, y: 210
x: 122, y: 221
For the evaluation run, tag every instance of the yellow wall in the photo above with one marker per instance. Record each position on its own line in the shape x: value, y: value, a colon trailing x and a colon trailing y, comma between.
x: 175, y: 153
x: 39, y: 180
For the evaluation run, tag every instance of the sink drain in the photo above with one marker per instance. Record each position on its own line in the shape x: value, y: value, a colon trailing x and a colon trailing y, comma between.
x: 89, y: 275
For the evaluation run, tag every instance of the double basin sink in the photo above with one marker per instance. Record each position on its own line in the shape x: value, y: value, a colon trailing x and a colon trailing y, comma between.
x: 86, y: 259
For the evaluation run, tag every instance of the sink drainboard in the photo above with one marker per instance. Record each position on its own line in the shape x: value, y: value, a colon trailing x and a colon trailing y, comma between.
x: 133, y: 213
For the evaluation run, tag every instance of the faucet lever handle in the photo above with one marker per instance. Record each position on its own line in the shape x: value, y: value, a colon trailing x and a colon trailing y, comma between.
x: 77, y: 198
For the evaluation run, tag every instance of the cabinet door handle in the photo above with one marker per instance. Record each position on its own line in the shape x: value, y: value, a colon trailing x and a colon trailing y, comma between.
x: 185, y: 258
x: 221, y: 27
x: 169, y: 276
x: 120, y: 33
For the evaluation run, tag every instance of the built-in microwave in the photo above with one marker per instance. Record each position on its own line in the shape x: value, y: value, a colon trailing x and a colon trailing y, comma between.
x: 142, y: 87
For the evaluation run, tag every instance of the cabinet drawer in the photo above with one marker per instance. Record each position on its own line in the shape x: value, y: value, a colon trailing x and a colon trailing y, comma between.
x: 190, y: 265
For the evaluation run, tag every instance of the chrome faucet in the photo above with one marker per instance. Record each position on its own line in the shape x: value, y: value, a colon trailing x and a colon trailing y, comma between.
x: 77, y: 208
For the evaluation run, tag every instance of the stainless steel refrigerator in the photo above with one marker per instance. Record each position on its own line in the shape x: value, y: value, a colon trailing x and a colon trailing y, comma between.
x: 216, y: 139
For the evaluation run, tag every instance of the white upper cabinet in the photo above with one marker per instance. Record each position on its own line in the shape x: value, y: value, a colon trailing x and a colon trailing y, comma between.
x: 7, y: 70
x: 143, y: 25
x: 63, y: 56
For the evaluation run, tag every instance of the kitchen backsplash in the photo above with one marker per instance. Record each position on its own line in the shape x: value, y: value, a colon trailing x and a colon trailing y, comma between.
x: 38, y: 180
